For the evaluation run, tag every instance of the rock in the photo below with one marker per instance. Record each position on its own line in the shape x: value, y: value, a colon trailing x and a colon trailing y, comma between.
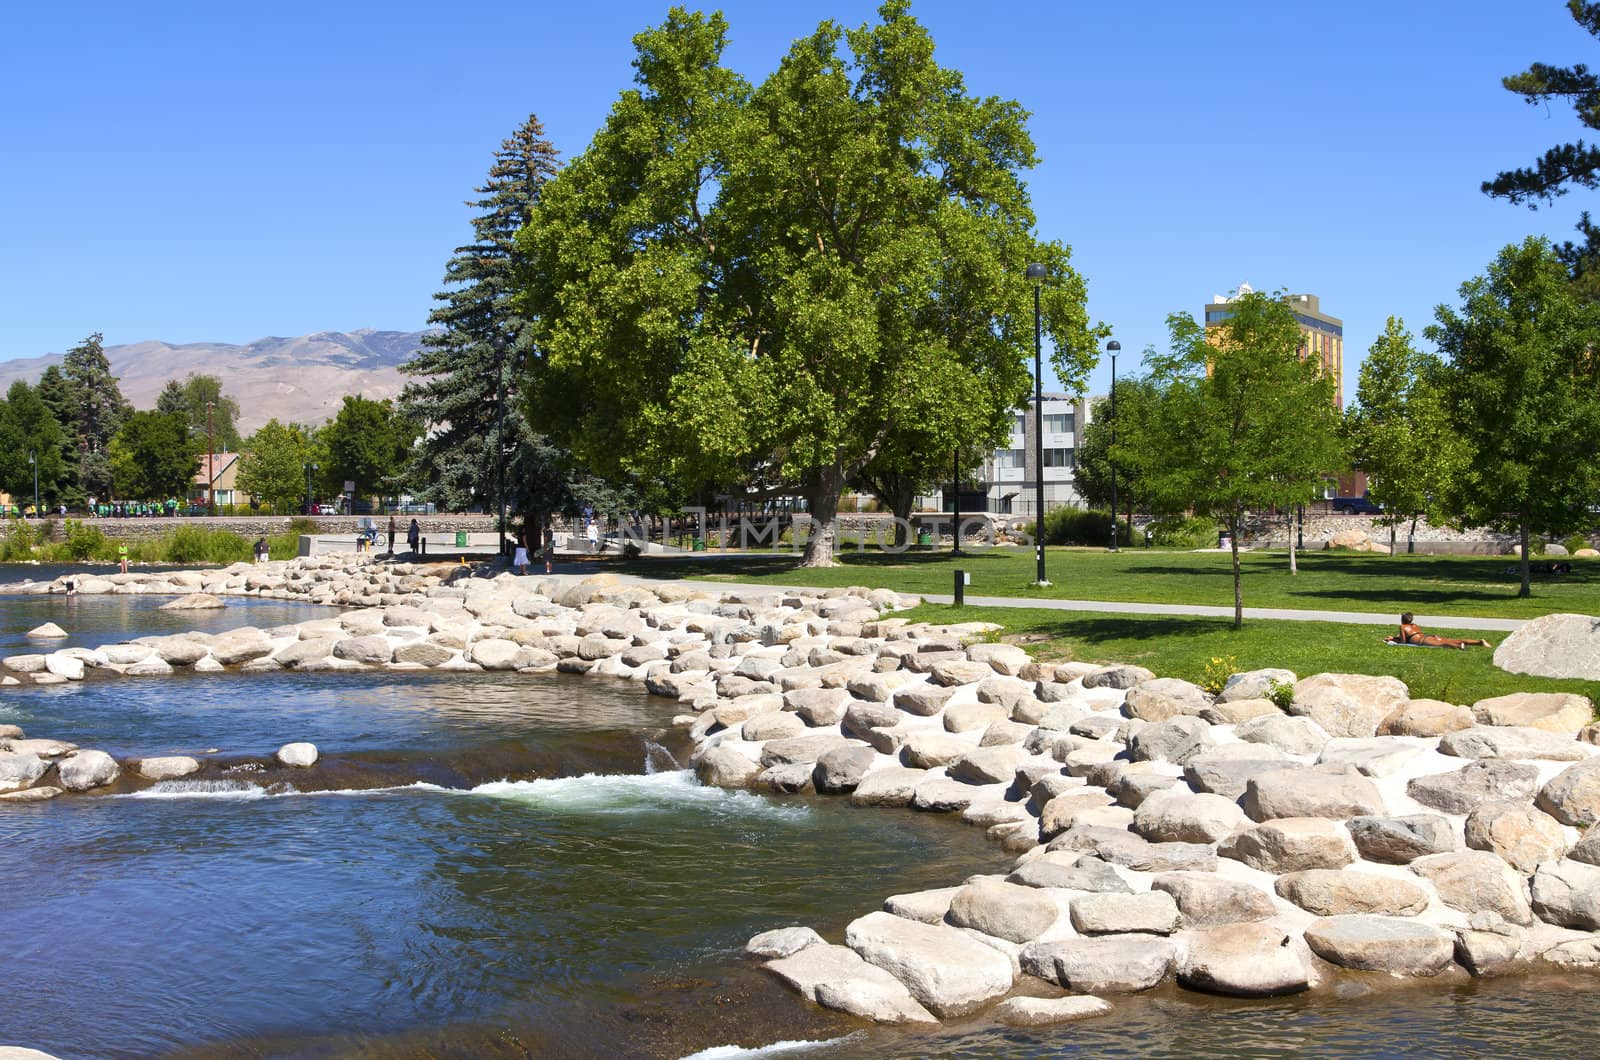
x: 929, y: 749
x: 154, y: 666
x: 1567, y: 894
x: 1575, y: 953
x: 826, y: 706
x: 773, y: 725
x: 237, y: 646
x: 1005, y: 910
x: 1177, y: 815
x: 1588, y: 848
x: 1005, y: 659
x: 840, y: 770
x: 1224, y: 772
x: 1132, y: 789
x: 875, y: 687
x: 1175, y: 740
x: 1296, y: 736
x: 1060, y: 812
x: 1497, y: 741
x: 301, y: 652
x: 372, y: 650
x: 1381, y: 944
x: 1004, y: 734
x: 1517, y: 832
x: 959, y: 672
x: 1069, y: 871
x: 801, y: 748
x: 1573, y: 795
x: 1311, y: 793
x: 302, y: 755
x: 1254, y: 684
x: 19, y: 770
x: 1475, y: 881
x: 943, y: 795
x: 194, y: 602
x: 63, y: 665
x: 987, y: 765
x: 1559, y: 712
x: 1290, y: 845
x: 48, y: 631
x: 1348, y: 704
x: 1399, y: 840
x: 1236, y: 711
x: 1243, y: 960
x: 1164, y: 698
x: 1426, y: 717
x: 861, y: 718
x: 1120, y: 847
x: 923, y: 700
x: 1559, y: 645
x: 950, y: 973
x: 927, y: 907
x: 10, y: 732
x: 964, y: 717
x: 1486, y: 952
x: 83, y: 770
x: 1380, y: 756
x: 24, y: 664
x: 852, y: 984
x: 1340, y: 892
x: 422, y: 653
x: 39, y: 794
x: 782, y: 942
x: 169, y: 768
x: 1205, y: 899
x: 723, y: 767
x: 1048, y: 1011
x: 1117, y: 677
x: 791, y: 778
x: 1110, y: 964
x: 1462, y: 790
x: 891, y: 786
x: 1153, y: 912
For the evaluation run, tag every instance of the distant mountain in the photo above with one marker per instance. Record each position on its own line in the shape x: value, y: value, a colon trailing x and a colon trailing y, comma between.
x: 299, y: 380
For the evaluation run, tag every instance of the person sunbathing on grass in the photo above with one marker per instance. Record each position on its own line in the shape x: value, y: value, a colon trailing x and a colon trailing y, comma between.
x: 1411, y: 633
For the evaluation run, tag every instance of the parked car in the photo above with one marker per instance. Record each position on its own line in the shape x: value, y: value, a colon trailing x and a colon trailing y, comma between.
x: 327, y: 509
x: 1356, y: 506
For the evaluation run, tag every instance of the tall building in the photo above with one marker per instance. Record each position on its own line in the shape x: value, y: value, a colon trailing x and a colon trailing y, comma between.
x: 1321, y: 336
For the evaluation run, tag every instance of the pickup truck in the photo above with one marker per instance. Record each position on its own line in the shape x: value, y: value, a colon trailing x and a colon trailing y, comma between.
x: 1356, y: 506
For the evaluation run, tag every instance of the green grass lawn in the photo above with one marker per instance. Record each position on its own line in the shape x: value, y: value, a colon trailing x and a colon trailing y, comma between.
x: 1182, y: 647
x: 1328, y: 581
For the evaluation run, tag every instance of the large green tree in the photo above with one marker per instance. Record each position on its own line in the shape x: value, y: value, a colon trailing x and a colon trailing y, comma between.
x: 1091, y: 475
x: 1524, y: 396
x: 151, y: 457
x: 1400, y: 433
x: 465, y: 377
x: 30, y: 440
x: 273, y: 465
x: 202, y: 393
x: 368, y: 443
x: 733, y: 273
x: 96, y: 411
x: 1242, y: 422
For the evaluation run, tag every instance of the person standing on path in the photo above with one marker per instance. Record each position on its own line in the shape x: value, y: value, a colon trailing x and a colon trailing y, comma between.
x: 594, y: 536
x: 391, y: 535
x: 414, y: 537
x: 520, y: 560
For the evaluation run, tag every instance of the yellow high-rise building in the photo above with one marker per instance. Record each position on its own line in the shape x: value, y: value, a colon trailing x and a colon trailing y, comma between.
x: 1321, y: 336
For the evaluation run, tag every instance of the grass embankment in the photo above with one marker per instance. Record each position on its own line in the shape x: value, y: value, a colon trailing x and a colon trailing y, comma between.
x: 1185, y: 647
x: 83, y: 542
x: 1328, y: 581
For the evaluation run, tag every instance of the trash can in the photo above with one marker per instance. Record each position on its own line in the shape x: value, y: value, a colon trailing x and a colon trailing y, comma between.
x: 461, y: 539
x: 924, y: 537
x: 699, y: 544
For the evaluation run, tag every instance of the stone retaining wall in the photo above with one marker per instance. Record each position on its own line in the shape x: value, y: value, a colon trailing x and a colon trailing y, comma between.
x: 254, y: 526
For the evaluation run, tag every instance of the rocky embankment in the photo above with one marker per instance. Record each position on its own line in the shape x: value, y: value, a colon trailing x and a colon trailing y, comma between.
x: 1157, y: 831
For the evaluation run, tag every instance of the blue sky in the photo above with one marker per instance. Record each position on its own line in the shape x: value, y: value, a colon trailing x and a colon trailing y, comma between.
x: 199, y: 171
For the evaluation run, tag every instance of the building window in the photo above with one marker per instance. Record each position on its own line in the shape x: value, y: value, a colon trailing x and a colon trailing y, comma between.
x: 1008, y: 458
x: 1058, y: 423
x: 1019, y: 424
x: 1058, y: 457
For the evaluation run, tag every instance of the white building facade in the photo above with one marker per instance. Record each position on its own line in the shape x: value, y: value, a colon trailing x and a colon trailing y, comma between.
x: 1006, y: 483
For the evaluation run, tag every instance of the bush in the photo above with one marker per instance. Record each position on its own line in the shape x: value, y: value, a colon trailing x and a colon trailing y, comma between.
x: 1281, y: 693
x: 192, y: 544
x: 1080, y: 526
x: 18, y: 545
x: 1575, y: 542
x: 1217, y: 672
x: 1198, y: 532
x: 84, y: 541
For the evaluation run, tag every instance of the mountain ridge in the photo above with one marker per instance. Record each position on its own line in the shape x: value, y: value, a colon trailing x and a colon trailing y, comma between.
x: 297, y: 378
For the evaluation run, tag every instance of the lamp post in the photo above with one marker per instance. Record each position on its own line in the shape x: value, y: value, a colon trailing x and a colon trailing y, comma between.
x: 310, y: 469
x: 1113, y: 347
x: 211, y: 464
x: 500, y: 438
x: 1036, y: 276
x: 33, y: 462
x: 955, y: 493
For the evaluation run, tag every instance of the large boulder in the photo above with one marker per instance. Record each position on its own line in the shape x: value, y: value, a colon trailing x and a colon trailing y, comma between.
x: 841, y: 769
x: 1243, y: 960
x: 1290, y: 845
x: 1048, y: 1011
x: 964, y: 717
x: 1573, y: 795
x: 83, y: 770
x: 1381, y: 944
x: 890, y: 786
x: 988, y: 765
x: 1567, y: 893
x: 1348, y: 704
x: 1110, y: 964
x: 782, y: 942
x: 723, y: 767
x: 850, y: 984
x: 1512, y: 741
x: 1291, y: 735
x: 1152, y: 912
x: 1179, y: 815
x: 1164, y: 698
x: 949, y: 972
x: 1007, y: 911
x: 1476, y: 881
x: 1071, y: 871
x: 373, y: 650
x: 18, y: 770
x: 1311, y: 793
x: 930, y: 749
x: 923, y: 700
x: 1560, y: 645
x: 1400, y: 840
x: 1561, y: 712
x: 168, y: 768
x: 1519, y: 833
x: 1464, y: 789
x: 1380, y: 756
x: 1206, y: 899
x: 1426, y: 717
x: 1337, y: 892
x: 300, y: 755
x: 1227, y: 770
x: 1177, y: 740
x: 46, y: 631
x: 194, y: 602
x: 1255, y: 684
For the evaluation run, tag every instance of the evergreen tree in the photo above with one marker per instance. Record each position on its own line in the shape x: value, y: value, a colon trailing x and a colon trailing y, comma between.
x: 152, y: 457
x: 55, y: 394
x: 27, y: 428
x: 464, y: 389
x: 171, y: 400
x: 97, y: 409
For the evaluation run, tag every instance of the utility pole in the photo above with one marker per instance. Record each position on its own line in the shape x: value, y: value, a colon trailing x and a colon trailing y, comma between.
x: 500, y: 436
x: 211, y: 464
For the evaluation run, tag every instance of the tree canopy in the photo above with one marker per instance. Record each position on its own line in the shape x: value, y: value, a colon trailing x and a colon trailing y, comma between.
x: 368, y: 443
x: 1242, y: 421
x: 794, y: 270
x: 1523, y: 386
x: 152, y: 457
x: 273, y: 467
x: 29, y: 429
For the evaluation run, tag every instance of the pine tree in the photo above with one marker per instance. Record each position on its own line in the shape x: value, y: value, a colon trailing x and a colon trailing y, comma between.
x: 465, y: 371
x: 55, y: 394
x: 97, y: 409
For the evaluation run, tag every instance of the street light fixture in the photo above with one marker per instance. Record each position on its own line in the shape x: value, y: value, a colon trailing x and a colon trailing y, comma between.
x: 211, y: 464
x: 310, y: 469
x: 1037, y: 274
x: 34, y: 463
x: 1113, y: 347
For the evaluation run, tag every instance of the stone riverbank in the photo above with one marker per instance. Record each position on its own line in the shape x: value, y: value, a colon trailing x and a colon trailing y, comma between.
x: 1157, y: 831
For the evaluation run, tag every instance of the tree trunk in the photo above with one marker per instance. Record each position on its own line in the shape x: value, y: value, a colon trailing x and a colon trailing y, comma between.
x: 1391, y: 537
x: 1238, y: 585
x: 901, y: 507
x: 1527, y: 586
x: 1411, y: 538
x: 824, y: 518
x: 1294, y: 566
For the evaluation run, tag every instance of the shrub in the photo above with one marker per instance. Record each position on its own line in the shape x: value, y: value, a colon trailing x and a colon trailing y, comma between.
x: 84, y: 541
x: 1198, y: 532
x: 1281, y: 693
x: 1080, y: 526
x: 192, y: 544
x: 1575, y: 542
x: 1217, y: 672
x: 18, y: 545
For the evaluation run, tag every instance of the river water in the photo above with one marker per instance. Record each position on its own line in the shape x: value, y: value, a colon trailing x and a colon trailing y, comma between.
x: 540, y: 879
